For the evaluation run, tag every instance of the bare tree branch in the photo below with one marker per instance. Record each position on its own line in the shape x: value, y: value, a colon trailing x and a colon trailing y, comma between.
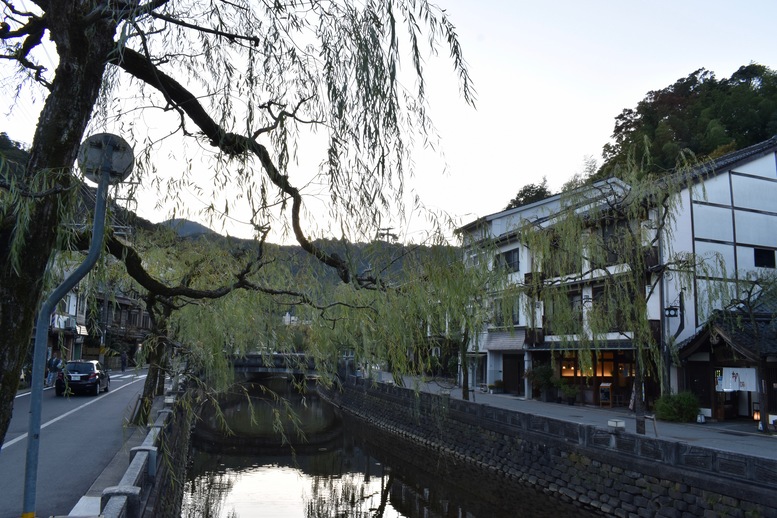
x: 231, y: 144
x: 228, y: 35
x: 280, y: 117
x: 176, y: 297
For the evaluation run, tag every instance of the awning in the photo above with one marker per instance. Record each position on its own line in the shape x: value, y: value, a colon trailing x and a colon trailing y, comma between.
x: 82, y: 330
x: 505, y: 341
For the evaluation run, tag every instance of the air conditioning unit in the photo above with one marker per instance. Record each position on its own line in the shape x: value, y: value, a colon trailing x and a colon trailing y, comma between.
x: 70, y: 323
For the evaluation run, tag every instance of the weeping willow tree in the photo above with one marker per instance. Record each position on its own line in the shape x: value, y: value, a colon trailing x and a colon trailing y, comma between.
x: 419, y: 323
x: 600, y: 258
x: 209, y: 303
x: 231, y: 92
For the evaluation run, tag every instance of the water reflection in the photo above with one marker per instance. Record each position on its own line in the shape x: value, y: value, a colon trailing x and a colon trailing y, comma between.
x: 357, y: 472
x: 260, y: 416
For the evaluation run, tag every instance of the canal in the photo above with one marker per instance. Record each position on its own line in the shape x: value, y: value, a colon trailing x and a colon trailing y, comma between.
x: 339, y: 468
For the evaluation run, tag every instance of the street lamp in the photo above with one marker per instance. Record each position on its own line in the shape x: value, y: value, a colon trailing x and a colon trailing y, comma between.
x: 107, y: 160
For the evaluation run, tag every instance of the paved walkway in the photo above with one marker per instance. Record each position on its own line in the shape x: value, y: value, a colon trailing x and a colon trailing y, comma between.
x: 89, y: 504
x: 736, y: 436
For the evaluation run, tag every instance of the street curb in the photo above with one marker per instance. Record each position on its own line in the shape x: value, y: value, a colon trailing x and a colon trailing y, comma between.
x: 89, y: 504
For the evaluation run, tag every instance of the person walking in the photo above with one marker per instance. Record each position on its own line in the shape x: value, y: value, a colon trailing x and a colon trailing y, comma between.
x: 54, y: 365
x: 123, y: 361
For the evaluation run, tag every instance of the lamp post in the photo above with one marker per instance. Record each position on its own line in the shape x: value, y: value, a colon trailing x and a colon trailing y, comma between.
x: 107, y: 160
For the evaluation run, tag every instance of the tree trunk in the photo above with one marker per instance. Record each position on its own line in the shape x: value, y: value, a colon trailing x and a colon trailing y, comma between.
x: 465, y: 365
x: 74, y: 89
x: 164, y: 364
x: 639, y: 406
x: 149, y: 387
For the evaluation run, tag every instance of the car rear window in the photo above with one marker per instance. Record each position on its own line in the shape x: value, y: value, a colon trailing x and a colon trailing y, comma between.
x: 83, y: 368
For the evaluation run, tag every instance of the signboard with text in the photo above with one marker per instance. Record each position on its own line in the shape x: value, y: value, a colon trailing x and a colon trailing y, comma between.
x: 732, y: 379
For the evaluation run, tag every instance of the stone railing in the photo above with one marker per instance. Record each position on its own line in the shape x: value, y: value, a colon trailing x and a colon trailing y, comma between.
x: 129, y: 497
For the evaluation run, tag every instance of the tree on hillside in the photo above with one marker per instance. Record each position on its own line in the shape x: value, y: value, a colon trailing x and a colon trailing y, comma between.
x: 238, y: 83
x: 699, y: 113
x: 530, y: 193
x: 12, y: 152
x: 602, y: 247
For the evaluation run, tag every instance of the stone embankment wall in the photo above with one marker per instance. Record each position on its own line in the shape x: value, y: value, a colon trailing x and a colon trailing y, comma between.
x: 615, y: 473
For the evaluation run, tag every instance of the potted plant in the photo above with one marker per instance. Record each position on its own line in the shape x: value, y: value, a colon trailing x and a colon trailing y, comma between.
x: 569, y: 390
x: 541, y: 378
x: 497, y: 387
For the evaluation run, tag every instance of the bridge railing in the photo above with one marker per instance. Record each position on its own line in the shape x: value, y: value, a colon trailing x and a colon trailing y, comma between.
x: 295, y: 363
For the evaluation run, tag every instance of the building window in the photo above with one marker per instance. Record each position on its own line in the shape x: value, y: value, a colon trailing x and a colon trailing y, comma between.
x: 564, y: 257
x: 564, y: 313
x: 506, y: 313
x: 607, y: 314
x: 763, y: 258
x: 509, y: 260
x: 569, y: 365
x: 614, y: 242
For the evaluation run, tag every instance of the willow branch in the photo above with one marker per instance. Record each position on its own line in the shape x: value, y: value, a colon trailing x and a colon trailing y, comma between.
x: 175, y: 297
x: 26, y: 192
x: 231, y: 144
x: 228, y: 35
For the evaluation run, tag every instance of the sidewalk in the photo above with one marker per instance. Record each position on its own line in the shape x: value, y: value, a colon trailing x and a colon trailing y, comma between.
x: 736, y: 436
x: 89, y: 504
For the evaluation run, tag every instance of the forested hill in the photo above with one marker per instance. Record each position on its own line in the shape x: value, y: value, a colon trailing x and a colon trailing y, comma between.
x: 380, y: 259
x: 701, y: 113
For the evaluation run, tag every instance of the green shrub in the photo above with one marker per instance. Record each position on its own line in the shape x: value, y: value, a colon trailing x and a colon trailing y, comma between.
x: 568, y: 389
x: 541, y: 376
x: 682, y: 407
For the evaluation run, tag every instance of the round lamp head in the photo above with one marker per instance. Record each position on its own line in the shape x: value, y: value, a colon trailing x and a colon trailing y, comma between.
x: 105, y: 150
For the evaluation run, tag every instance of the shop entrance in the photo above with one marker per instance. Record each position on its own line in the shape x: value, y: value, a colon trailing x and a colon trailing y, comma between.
x: 513, y: 370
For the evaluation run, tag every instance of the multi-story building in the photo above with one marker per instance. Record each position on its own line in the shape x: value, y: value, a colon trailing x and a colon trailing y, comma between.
x: 723, y: 227
x: 115, y: 321
x: 118, y: 322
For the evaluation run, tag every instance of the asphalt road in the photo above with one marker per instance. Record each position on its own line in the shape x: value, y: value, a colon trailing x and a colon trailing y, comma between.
x: 79, y: 437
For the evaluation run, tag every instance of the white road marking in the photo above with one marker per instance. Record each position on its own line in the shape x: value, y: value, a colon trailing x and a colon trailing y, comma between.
x: 47, y: 423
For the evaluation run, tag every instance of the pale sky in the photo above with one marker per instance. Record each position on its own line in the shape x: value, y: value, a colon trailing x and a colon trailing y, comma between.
x: 551, y: 77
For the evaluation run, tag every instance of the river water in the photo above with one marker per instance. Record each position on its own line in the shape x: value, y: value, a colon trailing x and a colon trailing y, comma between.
x: 340, y: 469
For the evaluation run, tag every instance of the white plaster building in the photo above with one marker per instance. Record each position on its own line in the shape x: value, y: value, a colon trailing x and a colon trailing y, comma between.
x: 728, y: 211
